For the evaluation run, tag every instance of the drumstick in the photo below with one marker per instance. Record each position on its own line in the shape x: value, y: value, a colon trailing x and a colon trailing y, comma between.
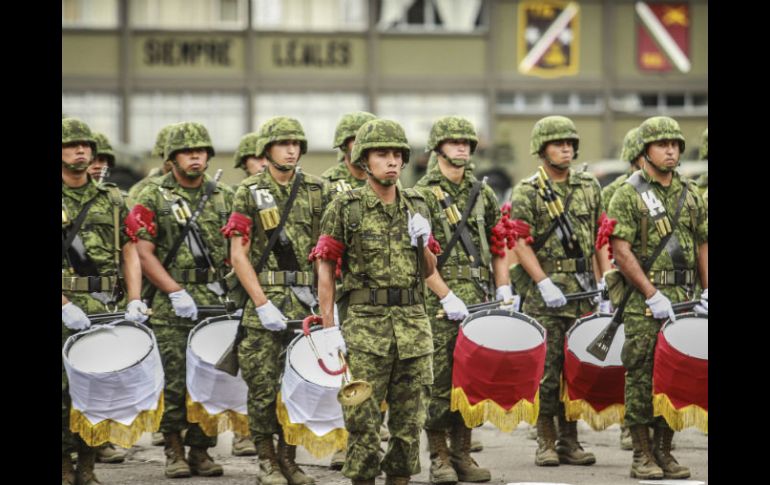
x: 491, y: 304
x: 678, y: 307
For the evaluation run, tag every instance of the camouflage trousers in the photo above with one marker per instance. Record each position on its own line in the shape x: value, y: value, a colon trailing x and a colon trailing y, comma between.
x: 439, y: 415
x: 172, y: 344
x: 550, y: 384
x: 637, y: 356
x: 405, y: 385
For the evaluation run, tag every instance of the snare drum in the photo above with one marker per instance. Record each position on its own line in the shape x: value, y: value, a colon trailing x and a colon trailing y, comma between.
x: 307, y: 408
x: 215, y: 399
x: 115, y: 382
x: 499, y: 359
x: 593, y: 389
x: 680, y: 375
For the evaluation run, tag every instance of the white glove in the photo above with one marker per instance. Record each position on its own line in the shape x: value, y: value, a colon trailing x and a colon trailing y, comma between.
x: 271, y: 317
x: 703, y: 306
x: 661, y: 306
x: 552, y: 295
x: 604, y: 305
x: 418, y: 227
x: 336, y: 316
x: 504, y: 293
x: 454, y: 307
x: 184, y: 305
x: 333, y: 339
x: 135, y: 311
x: 73, y: 317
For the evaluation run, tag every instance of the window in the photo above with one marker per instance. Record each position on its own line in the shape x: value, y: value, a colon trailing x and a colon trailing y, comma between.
x: 223, y: 114
x: 653, y: 104
x: 318, y: 113
x: 310, y: 15
x: 548, y: 103
x: 100, y: 111
x: 189, y: 14
x: 89, y: 13
x: 461, y: 16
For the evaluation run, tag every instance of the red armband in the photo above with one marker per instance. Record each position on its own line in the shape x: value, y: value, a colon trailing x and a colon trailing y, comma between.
x: 237, y: 223
x: 606, y: 226
x: 505, y: 209
x: 521, y: 230
x: 433, y: 245
x: 140, y: 217
x: 329, y: 249
x: 497, y: 240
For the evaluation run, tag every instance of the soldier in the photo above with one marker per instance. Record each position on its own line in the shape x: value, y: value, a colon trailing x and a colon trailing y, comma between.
x: 466, y: 274
x: 105, y: 157
x: 91, y: 258
x: 346, y: 176
x: 703, y: 154
x: 555, y: 263
x: 671, y: 279
x: 199, y: 265
x: 246, y: 157
x: 631, y: 153
x: 165, y: 167
x: 285, y: 277
x: 372, y: 235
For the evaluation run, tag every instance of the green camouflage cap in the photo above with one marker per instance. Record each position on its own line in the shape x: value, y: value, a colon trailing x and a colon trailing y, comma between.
x: 160, y: 141
x: 452, y: 128
x: 632, y: 146
x: 104, y: 149
x: 379, y: 133
x: 280, y: 128
x: 246, y: 148
x: 661, y: 128
x: 349, y: 125
x: 73, y: 129
x: 703, y: 152
x: 185, y: 136
x: 552, y: 128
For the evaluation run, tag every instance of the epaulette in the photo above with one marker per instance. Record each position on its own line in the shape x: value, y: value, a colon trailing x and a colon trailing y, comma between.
x: 413, y: 193
x: 311, y: 179
x: 113, y: 192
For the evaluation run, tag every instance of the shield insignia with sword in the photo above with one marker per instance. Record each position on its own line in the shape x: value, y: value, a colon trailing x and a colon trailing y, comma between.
x: 663, y: 36
x: 548, y: 38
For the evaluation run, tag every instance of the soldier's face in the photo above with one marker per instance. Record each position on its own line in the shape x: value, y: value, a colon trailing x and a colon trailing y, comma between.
x: 95, y: 169
x: 560, y: 152
x: 285, y: 152
x: 192, y: 161
x: 255, y: 165
x: 76, y: 152
x: 664, y: 154
x: 385, y: 163
x: 457, y: 149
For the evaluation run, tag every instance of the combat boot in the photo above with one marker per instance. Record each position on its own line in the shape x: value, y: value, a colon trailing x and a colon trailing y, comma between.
x: 441, y: 470
x: 286, y: 455
x: 176, y: 465
x: 202, y: 464
x: 546, y: 442
x: 86, y: 460
x: 157, y: 439
x: 466, y: 467
x: 392, y: 480
x: 661, y: 450
x: 476, y: 446
x: 625, y: 438
x: 568, y: 447
x: 643, y: 465
x: 243, y: 446
x: 269, y: 471
x: 67, y: 470
x: 109, y: 453
x: 338, y: 459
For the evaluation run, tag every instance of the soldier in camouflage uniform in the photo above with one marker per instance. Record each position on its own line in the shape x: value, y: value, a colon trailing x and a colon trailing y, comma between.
x: 103, y: 238
x: 467, y: 277
x: 105, y: 157
x: 671, y: 280
x: 246, y: 157
x: 286, y: 279
x: 157, y: 172
x: 369, y: 234
x: 546, y: 272
x: 183, y: 285
x: 703, y: 154
x: 346, y: 176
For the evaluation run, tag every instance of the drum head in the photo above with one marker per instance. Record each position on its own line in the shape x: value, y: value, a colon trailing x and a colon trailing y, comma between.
x: 210, y: 338
x: 689, y: 334
x: 108, y: 349
x: 305, y: 363
x: 503, y: 330
x: 585, y: 330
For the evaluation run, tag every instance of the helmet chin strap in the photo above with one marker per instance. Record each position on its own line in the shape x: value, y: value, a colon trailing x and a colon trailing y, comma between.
x: 79, y: 167
x: 660, y: 169
x: 383, y: 182
x: 457, y: 162
x: 278, y: 166
x: 558, y: 167
x: 192, y: 174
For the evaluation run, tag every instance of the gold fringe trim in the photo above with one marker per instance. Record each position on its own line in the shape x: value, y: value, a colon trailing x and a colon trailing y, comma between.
x: 597, y: 420
x: 109, y: 431
x: 212, y: 425
x: 679, y: 419
x: 488, y: 410
x: 301, y: 435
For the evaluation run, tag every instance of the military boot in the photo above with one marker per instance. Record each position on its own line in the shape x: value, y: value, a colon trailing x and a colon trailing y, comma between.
x: 338, y: 460
x: 202, y: 464
x: 476, y: 446
x: 67, y: 470
x: 86, y: 460
x: 466, y: 467
x: 109, y: 453
x: 392, y: 480
x: 243, y: 446
x: 176, y: 465
x: 269, y: 471
x: 441, y: 470
x: 293, y: 473
x: 661, y: 450
x: 568, y: 447
x: 157, y: 439
x: 625, y: 438
x: 644, y: 465
x: 546, y: 442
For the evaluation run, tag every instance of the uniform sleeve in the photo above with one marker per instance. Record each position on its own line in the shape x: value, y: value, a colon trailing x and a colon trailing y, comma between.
x: 326, y: 193
x: 433, y: 207
x: 332, y: 221
x: 491, y: 209
x: 124, y: 239
x: 623, y: 209
x: 146, y: 209
x: 600, y: 205
x: 523, y: 203
x: 702, y: 224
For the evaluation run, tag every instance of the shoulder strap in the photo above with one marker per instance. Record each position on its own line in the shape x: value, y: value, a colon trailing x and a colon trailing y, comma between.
x: 274, y: 236
x: 316, y: 210
x: 117, y: 201
x: 540, y: 242
x: 478, y: 214
x: 76, y: 225
x: 475, y: 189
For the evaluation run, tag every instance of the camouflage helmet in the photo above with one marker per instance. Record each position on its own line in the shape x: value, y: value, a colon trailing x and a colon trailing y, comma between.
x: 280, y: 128
x: 246, y: 148
x: 661, y: 128
x: 160, y: 141
x: 703, y: 152
x: 451, y: 128
x: 379, y: 133
x: 552, y: 128
x: 632, y: 146
x: 186, y: 136
x: 73, y: 129
x: 349, y: 125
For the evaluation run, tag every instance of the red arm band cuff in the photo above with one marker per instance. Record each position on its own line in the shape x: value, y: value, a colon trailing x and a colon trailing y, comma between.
x: 240, y: 224
x: 140, y: 217
x: 606, y: 226
x: 433, y: 245
x: 329, y: 249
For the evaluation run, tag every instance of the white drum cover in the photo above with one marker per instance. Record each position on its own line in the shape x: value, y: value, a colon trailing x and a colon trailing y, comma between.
x: 689, y: 335
x: 499, y: 332
x: 110, y: 349
x: 581, y: 336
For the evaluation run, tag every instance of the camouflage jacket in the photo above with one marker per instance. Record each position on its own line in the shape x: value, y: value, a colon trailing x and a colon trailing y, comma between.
x: 213, y: 217
x: 388, y: 260
x: 691, y: 231
x: 154, y: 174
x: 609, y: 190
x: 583, y: 213
x: 339, y: 178
x: 703, y: 183
x: 305, y: 215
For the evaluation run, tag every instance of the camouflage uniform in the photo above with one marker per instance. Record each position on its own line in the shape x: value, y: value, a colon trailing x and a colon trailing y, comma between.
x: 339, y: 176
x: 632, y: 148
x: 104, y: 148
x: 703, y: 154
x: 156, y: 172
